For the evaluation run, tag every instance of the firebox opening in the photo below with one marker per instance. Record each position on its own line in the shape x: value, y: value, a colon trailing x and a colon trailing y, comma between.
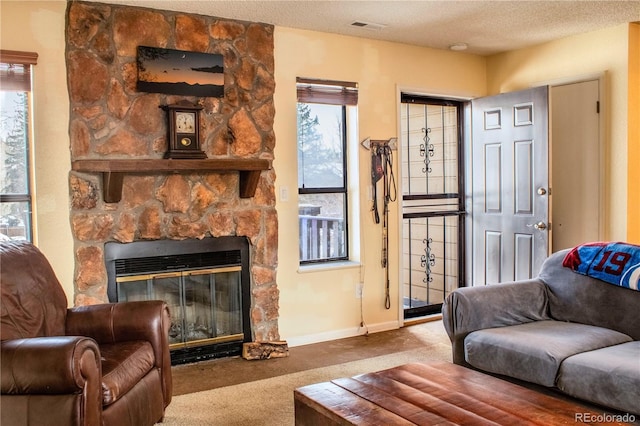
x: 206, y: 284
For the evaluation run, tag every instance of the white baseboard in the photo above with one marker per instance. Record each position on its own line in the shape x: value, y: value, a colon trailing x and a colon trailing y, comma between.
x: 341, y: 334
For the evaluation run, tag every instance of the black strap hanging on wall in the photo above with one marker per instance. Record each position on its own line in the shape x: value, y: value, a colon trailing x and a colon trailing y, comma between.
x: 382, y: 168
x: 377, y: 172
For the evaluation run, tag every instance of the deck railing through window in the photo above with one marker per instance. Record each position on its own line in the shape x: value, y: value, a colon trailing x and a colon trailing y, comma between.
x: 321, y: 237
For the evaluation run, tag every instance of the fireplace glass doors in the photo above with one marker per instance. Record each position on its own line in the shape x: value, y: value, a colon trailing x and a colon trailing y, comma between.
x: 205, y: 283
x: 190, y: 296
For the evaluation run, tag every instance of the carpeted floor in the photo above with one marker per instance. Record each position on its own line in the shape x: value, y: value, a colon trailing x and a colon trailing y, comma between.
x: 217, y: 373
x: 236, y: 392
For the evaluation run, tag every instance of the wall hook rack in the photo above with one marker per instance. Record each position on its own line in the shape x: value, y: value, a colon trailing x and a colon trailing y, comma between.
x: 391, y: 143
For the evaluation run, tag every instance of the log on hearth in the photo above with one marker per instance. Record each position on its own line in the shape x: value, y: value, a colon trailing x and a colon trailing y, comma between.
x: 265, y: 350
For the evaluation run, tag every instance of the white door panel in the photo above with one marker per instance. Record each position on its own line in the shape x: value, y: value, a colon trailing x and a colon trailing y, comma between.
x: 510, y: 138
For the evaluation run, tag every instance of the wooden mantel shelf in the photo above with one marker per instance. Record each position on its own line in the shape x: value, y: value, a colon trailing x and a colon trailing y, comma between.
x: 113, y: 171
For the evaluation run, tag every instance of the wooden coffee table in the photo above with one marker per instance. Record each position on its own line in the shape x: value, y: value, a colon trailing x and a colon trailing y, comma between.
x: 431, y: 394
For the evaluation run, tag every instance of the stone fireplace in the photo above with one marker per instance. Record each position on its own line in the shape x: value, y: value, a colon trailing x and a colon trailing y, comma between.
x: 111, y: 120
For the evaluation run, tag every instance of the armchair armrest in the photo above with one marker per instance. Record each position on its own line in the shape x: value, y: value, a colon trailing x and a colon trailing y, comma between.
x: 117, y: 322
x: 50, y: 365
x: 475, y: 308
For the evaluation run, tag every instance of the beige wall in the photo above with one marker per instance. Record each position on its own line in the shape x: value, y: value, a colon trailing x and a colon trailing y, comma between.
x: 38, y: 26
x: 575, y: 57
x: 322, y: 304
x: 633, y: 178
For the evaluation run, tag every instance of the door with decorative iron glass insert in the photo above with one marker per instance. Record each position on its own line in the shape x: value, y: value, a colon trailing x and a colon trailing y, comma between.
x: 432, y: 202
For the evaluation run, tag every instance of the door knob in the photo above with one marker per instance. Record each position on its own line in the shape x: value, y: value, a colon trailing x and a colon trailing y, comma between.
x: 540, y: 226
x: 541, y: 191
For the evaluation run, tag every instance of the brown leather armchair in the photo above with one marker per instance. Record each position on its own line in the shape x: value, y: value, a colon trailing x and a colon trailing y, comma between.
x: 94, y: 365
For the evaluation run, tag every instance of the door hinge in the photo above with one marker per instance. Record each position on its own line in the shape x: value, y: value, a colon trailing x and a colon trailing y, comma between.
x: 597, y: 107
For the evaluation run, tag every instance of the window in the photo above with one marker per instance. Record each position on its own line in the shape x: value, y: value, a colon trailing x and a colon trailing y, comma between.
x: 15, y: 117
x: 322, y: 169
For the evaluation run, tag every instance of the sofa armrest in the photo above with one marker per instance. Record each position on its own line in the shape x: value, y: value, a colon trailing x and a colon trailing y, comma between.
x: 50, y: 366
x: 117, y: 322
x: 468, y: 309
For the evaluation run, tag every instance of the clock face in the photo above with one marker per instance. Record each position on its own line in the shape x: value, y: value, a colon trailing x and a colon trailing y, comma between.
x: 185, y: 122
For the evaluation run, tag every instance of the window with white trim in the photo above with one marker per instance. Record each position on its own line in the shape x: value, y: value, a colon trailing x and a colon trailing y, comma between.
x: 323, y: 208
x: 15, y: 134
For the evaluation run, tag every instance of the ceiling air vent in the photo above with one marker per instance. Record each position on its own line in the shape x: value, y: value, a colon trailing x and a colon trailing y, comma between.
x: 368, y: 25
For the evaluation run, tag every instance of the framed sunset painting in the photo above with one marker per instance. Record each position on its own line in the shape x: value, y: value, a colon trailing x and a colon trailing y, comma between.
x: 178, y: 72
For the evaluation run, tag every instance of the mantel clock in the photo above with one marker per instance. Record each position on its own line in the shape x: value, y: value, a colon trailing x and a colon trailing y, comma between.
x: 184, y: 124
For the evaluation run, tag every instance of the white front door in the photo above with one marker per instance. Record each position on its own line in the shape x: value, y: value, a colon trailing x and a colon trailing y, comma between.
x: 510, y: 185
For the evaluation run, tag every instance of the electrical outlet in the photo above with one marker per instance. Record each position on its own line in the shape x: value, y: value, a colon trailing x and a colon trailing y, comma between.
x: 359, y: 290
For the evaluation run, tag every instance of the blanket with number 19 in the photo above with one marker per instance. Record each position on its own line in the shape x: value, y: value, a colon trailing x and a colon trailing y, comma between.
x: 615, y: 263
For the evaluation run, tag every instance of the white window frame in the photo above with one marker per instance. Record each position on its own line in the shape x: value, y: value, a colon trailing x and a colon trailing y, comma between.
x: 339, y: 93
x: 20, y: 80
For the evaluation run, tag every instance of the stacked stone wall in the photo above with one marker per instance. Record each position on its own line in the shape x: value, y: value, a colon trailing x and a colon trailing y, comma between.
x: 110, y: 119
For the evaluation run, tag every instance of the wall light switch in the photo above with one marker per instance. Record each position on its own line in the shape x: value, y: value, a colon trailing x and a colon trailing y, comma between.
x: 284, y: 194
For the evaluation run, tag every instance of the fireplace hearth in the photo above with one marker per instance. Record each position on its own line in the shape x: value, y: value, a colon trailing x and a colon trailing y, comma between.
x: 205, y: 283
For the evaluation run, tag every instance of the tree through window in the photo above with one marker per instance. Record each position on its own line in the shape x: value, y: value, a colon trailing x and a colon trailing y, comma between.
x: 15, y: 191
x: 322, y: 169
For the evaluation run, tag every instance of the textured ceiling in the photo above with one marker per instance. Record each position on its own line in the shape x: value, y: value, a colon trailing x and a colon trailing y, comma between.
x: 488, y: 27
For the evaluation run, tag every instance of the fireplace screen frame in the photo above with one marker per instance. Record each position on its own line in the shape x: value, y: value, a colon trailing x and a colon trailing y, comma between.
x: 193, y: 322
x: 171, y: 257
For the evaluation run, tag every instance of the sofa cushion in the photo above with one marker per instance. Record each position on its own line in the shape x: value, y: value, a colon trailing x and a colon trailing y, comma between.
x: 586, y: 300
x: 609, y: 376
x: 123, y: 365
x: 535, y: 350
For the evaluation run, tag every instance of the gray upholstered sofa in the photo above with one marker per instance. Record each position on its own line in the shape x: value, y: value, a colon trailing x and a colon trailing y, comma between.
x: 562, y: 330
